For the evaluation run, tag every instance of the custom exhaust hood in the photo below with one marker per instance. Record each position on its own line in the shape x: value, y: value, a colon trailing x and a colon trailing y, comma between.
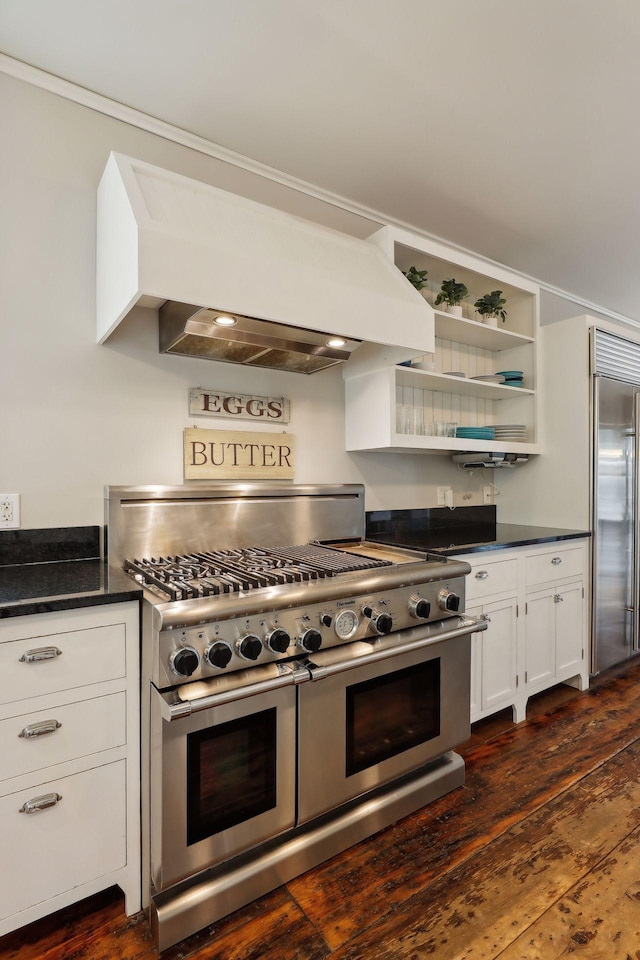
x: 237, y: 281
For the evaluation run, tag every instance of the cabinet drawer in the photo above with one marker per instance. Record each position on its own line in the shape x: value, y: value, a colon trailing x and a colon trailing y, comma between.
x: 497, y: 576
x: 554, y: 565
x: 85, y: 657
x: 33, y: 741
x: 81, y: 838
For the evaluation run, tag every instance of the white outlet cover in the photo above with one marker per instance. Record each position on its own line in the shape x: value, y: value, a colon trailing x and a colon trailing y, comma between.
x: 9, y: 511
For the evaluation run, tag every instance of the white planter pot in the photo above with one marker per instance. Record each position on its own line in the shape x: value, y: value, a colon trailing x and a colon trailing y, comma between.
x: 491, y: 321
x: 455, y: 311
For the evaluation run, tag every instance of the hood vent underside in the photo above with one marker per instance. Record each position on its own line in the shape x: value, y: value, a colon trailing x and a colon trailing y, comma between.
x: 192, y: 331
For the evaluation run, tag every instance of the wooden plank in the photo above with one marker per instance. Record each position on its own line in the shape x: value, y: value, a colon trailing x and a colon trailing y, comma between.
x: 508, y: 779
x: 477, y: 910
x: 599, y: 918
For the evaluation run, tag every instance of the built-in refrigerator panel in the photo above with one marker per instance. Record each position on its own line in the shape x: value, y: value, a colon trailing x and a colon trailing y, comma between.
x: 615, y: 633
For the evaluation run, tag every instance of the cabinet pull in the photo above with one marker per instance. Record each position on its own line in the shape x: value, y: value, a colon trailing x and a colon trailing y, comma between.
x: 39, y: 729
x: 482, y: 574
x: 485, y: 616
x: 558, y: 599
x: 40, y: 653
x: 40, y: 803
x: 556, y: 560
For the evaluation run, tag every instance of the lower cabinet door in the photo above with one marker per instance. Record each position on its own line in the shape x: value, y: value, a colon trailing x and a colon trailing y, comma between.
x: 61, y: 834
x: 499, y: 655
x: 569, y: 630
x: 540, y: 665
x: 493, y: 658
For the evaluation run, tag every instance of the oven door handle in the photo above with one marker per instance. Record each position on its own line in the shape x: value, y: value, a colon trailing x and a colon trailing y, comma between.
x: 172, y: 708
x: 390, y: 647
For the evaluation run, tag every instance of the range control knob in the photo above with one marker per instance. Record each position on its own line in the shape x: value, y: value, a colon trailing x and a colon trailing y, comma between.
x: 184, y: 661
x: 278, y: 640
x: 218, y: 654
x: 310, y: 640
x: 419, y: 608
x: 326, y: 619
x: 447, y: 600
x: 249, y: 647
x: 381, y: 622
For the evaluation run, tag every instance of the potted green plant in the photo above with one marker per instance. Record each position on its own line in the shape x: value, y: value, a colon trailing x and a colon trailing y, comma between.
x: 417, y: 277
x: 490, y: 307
x: 452, y: 294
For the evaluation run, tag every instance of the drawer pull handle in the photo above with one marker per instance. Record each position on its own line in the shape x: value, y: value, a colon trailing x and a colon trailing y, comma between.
x: 39, y: 729
x: 558, y: 599
x: 556, y: 560
x: 482, y: 574
x: 40, y: 803
x: 40, y: 653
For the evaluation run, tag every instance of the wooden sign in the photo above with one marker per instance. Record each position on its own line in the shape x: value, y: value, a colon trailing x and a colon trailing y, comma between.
x: 206, y: 402
x: 237, y: 455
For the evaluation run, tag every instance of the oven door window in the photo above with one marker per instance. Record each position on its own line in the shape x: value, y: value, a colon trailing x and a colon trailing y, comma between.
x: 231, y: 774
x: 392, y: 713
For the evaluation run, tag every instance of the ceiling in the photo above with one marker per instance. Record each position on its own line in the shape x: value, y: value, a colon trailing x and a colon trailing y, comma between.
x: 508, y: 127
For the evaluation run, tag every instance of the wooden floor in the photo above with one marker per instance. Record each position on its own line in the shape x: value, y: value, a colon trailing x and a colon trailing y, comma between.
x: 537, y: 857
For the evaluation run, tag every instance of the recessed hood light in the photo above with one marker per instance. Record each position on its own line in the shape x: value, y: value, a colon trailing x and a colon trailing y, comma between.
x: 189, y: 330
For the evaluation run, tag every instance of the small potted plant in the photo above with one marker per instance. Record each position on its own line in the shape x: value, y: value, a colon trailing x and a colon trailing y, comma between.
x: 417, y: 277
x: 452, y: 294
x: 490, y: 307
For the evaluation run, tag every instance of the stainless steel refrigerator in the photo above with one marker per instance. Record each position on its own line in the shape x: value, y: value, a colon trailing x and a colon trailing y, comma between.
x: 616, y: 554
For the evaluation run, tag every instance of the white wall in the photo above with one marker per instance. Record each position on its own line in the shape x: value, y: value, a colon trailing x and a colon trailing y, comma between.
x: 76, y: 415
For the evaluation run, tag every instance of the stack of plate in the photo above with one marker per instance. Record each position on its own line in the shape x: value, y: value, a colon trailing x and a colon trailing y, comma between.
x: 512, y: 378
x: 491, y: 378
x: 511, y: 431
x: 475, y: 433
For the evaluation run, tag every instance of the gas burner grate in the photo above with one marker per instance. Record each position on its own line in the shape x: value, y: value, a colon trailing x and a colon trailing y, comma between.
x: 212, y: 573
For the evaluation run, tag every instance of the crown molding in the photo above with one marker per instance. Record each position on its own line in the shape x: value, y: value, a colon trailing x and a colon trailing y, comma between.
x: 136, y: 118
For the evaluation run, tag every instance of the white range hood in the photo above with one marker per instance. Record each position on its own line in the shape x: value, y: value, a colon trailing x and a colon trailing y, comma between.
x: 166, y: 241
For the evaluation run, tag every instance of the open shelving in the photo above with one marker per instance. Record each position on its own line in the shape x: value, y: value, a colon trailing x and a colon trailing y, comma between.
x: 461, y: 344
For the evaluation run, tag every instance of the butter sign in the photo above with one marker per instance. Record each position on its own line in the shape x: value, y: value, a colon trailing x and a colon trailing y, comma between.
x: 208, y: 402
x: 237, y: 455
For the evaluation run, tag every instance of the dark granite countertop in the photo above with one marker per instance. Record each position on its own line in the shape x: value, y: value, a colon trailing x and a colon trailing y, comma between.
x: 509, y: 535
x: 473, y: 530
x: 38, y: 573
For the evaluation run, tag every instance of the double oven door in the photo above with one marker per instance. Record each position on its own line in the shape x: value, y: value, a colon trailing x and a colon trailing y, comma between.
x: 230, y: 777
x: 365, y: 726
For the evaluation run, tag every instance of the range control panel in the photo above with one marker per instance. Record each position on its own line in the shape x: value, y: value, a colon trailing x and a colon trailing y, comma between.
x: 218, y: 646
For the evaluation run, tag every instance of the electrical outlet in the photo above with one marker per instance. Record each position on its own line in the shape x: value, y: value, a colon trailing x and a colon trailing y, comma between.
x: 445, y: 496
x: 487, y: 494
x: 9, y: 510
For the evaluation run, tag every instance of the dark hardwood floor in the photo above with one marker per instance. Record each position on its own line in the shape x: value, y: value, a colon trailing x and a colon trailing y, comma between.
x: 536, y: 857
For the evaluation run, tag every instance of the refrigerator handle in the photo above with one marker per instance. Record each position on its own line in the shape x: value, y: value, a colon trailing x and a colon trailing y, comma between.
x: 595, y: 454
x: 636, y: 539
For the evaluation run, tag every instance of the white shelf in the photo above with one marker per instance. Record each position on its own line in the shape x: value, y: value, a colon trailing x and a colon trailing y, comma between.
x: 410, y: 443
x: 462, y: 330
x: 463, y: 386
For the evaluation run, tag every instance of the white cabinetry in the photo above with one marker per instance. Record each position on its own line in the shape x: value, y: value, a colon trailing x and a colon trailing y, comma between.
x: 492, y: 594
x: 69, y: 741
x: 494, y: 669
x: 555, y: 617
x: 533, y: 599
x: 462, y: 344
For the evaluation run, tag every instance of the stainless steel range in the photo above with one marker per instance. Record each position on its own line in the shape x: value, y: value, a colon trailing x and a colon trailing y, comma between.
x: 302, y: 687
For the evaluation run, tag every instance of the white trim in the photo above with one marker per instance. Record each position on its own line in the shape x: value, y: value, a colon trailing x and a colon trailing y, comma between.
x: 95, y: 101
